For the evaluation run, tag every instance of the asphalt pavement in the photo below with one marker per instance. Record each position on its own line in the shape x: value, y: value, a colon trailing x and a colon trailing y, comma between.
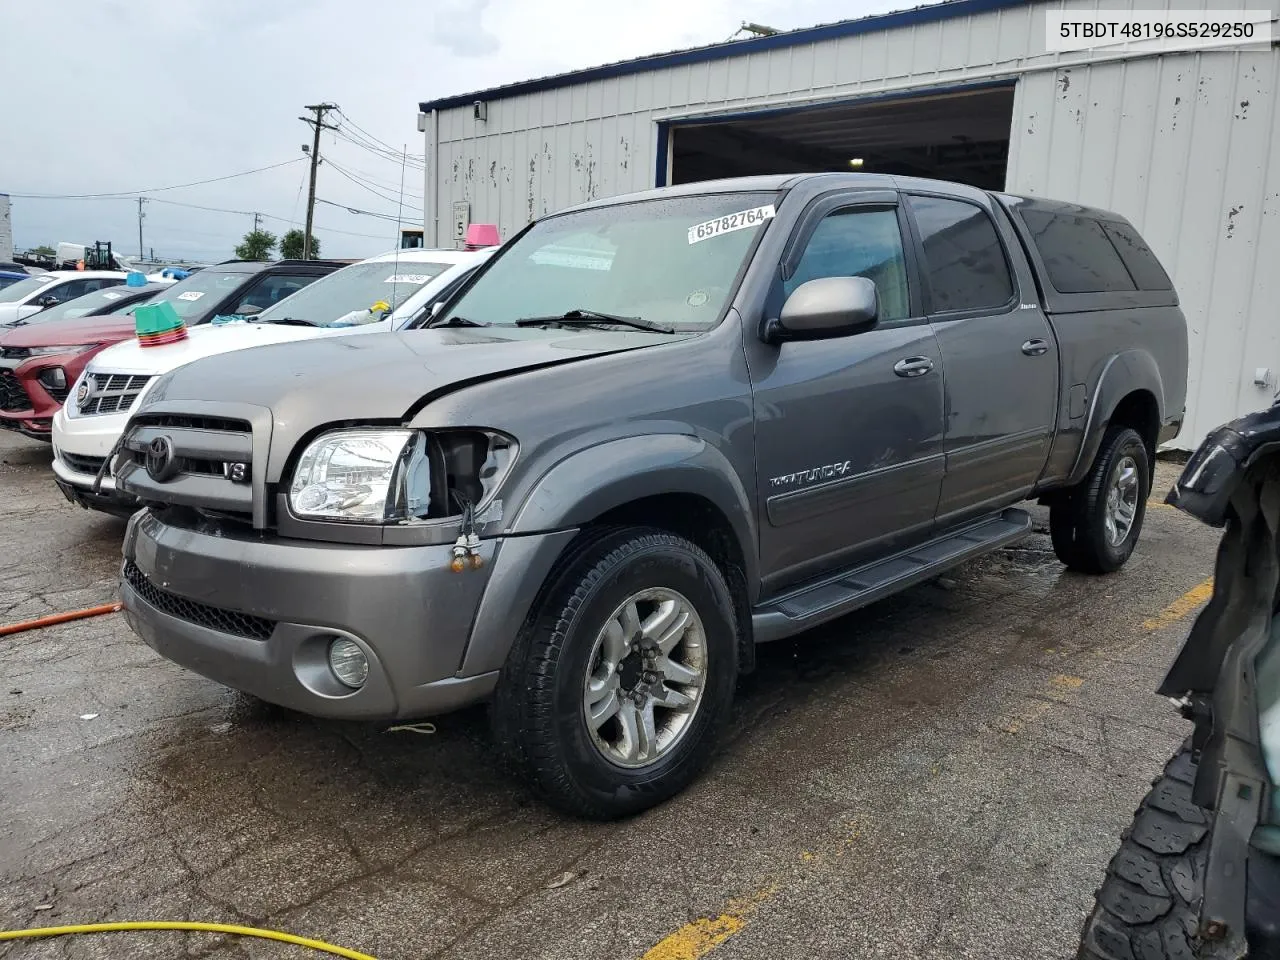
x: 942, y: 775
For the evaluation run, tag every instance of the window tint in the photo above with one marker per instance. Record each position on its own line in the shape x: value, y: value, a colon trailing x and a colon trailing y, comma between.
x: 275, y: 288
x: 1077, y: 254
x: 858, y: 243
x: 1141, y: 262
x: 963, y: 257
x: 70, y: 290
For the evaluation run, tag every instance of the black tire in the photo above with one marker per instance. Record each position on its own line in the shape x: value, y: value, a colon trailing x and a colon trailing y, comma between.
x: 1077, y: 522
x: 1148, y: 906
x: 537, y: 708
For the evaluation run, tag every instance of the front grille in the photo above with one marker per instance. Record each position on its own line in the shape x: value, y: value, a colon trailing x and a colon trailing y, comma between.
x: 13, y: 396
x: 196, y: 423
x: 201, y: 614
x: 82, y: 464
x: 112, y: 392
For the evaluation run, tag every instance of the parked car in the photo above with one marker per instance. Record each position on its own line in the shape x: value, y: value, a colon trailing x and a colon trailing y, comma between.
x: 648, y: 434
x: 33, y: 390
x: 28, y: 297
x: 1198, y: 872
x: 8, y: 278
x: 86, y: 428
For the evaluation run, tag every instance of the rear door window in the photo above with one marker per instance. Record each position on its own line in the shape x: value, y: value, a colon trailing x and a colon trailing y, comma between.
x: 1077, y: 253
x: 964, y: 258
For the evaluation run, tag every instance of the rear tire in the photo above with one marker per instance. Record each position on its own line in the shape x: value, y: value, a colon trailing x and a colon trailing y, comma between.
x: 596, y: 627
x: 1148, y: 906
x: 1096, y: 527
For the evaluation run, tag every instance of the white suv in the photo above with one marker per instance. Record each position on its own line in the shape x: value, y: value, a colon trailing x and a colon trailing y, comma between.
x: 28, y: 297
x: 376, y: 295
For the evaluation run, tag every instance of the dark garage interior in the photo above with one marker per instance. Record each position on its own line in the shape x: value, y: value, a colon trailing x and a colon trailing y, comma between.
x: 961, y: 135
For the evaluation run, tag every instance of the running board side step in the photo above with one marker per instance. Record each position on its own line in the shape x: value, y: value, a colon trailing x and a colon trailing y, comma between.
x: 834, y: 596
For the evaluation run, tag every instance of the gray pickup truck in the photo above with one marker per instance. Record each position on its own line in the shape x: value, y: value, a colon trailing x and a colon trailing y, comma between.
x: 650, y: 433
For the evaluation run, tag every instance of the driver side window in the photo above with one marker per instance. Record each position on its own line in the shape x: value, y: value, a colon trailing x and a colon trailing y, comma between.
x: 858, y: 242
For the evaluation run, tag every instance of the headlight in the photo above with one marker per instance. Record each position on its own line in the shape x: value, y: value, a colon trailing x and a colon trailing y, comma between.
x: 47, y: 351
x: 384, y: 476
x: 347, y: 475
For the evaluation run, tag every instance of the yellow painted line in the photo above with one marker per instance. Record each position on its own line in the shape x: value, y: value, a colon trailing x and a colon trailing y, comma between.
x: 1067, y: 682
x: 701, y: 936
x: 1185, y: 604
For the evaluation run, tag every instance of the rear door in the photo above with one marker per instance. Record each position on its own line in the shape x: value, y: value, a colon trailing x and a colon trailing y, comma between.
x: 998, y: 351
x: 848, y: 430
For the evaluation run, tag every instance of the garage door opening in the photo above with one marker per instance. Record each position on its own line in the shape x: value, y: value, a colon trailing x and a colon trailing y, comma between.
x: 961, y: 135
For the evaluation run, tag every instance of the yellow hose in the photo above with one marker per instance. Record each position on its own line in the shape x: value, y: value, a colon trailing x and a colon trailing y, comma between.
x: 182, y: 925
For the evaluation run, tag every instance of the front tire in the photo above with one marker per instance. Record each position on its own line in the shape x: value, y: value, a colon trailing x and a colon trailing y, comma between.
x: 1149, y: 904
x: 1096, y: 527
x: 614, y: 694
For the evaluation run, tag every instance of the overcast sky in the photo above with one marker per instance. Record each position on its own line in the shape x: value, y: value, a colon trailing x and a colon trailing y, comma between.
x: 113, y: 96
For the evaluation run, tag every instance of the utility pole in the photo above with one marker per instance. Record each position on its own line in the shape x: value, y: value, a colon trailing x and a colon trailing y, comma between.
x: 257, y: 219
x: 316, y: 122
x: 141, y: 215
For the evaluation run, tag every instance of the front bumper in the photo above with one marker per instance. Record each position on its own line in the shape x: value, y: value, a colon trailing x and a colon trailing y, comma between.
x: 27, y: 405
x: 258, y: 614
x: 80, y: 446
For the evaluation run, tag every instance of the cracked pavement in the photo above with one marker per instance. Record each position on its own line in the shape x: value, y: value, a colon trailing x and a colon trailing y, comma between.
x: 944, y: 774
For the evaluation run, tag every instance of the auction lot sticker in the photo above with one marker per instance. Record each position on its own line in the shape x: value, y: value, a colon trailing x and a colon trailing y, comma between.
x: 731, y: 222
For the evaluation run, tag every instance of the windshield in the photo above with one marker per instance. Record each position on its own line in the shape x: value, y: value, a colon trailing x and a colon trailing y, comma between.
x: 16, y: 291
x: 197, y: 294
x: 671, y: 261
x: 90, y: 303
x: 358, y: 294
x: 9, y: 281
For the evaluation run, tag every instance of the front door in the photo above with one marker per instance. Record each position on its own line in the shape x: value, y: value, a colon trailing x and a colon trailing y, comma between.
x: 1000, y: 354
x: 848, y: 430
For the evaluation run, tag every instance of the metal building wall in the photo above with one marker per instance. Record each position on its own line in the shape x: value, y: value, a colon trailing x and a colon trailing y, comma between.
x: 1186, y: 146
x: 543, y: 151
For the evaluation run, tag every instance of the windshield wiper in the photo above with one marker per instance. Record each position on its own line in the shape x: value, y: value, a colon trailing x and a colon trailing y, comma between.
x: 458, y: 322
x: 286, y: 321
x: 578, y: 316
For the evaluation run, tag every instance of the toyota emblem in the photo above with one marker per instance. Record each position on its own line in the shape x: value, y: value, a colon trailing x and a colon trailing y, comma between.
x: 161, y: 464
x: 83, y: 391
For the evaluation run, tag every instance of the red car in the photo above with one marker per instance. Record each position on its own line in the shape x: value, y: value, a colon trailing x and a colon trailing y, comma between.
x: 41, y: 357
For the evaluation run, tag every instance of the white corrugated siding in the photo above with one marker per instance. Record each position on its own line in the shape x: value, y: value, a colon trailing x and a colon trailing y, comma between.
x: 1186, y: 146
x: 1162, y: 140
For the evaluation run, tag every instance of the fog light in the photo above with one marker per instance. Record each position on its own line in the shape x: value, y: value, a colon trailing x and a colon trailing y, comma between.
x: 348, y: 663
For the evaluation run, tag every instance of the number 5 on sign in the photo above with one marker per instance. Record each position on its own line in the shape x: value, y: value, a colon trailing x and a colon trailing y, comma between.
x: 731, y: 222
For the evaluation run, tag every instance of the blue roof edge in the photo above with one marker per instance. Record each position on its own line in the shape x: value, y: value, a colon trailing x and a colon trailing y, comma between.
x: 945, y: 10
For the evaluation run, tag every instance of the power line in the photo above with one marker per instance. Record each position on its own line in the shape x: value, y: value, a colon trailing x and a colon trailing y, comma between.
x: 342, y: 133
x: 130, y: 194
x: 365, y: 186
x: 356, y: 210
x: 373, y: 180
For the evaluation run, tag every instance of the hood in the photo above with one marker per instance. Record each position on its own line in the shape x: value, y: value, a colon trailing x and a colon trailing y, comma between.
x: 206, y: 340
x: 378, y: 377
x: 69, y: 332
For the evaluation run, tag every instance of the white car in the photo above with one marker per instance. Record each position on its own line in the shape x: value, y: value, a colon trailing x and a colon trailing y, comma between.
x: 376, y: 295
x: 28, y: 297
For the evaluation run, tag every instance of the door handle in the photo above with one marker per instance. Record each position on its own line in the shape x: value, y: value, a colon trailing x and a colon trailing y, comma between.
x: 913, y: 367
x: 1035, y: 348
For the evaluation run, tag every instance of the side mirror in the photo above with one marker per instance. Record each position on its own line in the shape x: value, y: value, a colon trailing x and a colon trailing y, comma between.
x: 48, y: 300
x: 827, y: 307
x: 248, y: 309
